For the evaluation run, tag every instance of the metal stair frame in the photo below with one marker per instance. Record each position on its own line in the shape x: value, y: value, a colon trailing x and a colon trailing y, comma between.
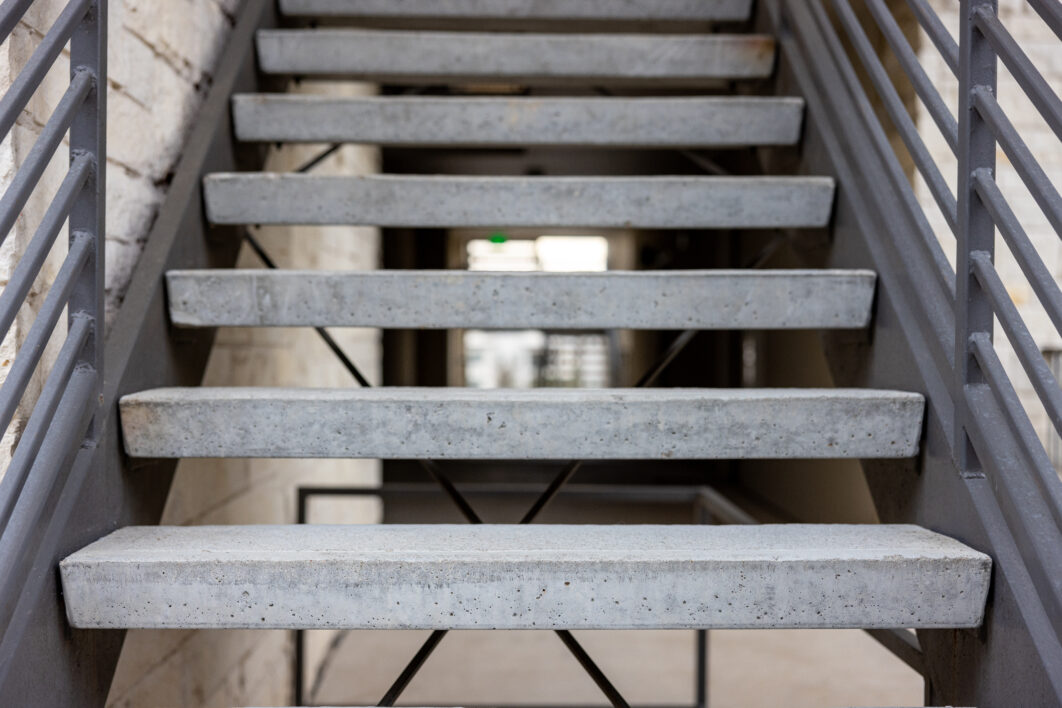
x: 1016, y: 656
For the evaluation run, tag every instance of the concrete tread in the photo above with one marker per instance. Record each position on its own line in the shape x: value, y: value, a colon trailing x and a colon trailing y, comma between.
x: 522, y: 577
x: 526, y: 121
x: 704, y: 299
x: 689, y: 10
x: 397, y: 56
x: 544, y: 424
x: 445, y: 200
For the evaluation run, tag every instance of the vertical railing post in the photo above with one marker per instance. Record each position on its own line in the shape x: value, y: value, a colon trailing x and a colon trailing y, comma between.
x: 88, y: 135
x: 976, y: 230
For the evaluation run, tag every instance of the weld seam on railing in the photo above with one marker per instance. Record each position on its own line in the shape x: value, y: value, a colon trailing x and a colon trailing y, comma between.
x: 1020, y: 156
x: 938, y: 111
x: 43, y: 151
x: 43, y: 413
x: 900, y: 118
x: 1041, y: 279
x: 1051, y: 13
x: 1022, y: 69
x: 40, y: 63
x: 72, y: 418
x: 32, y: 348
x: 1017, y: 332
x: 10, y: 14
x: 938, y: 34
x: 32, y: 260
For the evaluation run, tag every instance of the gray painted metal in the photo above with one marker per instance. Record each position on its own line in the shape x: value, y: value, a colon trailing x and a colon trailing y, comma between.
x: 437, y: 201
x: 383, y: 55
x: 706, y: 299
x: 691, y: 10
x: 1009, y: 507
x: 526, y: 577
x: 484, y: 122
x: 455, y: 423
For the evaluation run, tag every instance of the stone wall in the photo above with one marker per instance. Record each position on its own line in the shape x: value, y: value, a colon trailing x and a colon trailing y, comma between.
x: 1045, y: 50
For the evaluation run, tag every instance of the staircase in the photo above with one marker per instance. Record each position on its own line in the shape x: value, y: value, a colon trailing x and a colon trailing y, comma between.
x: 488, y: 576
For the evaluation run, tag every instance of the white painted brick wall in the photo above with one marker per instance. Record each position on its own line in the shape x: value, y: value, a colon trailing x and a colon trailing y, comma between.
x: 1045, y: 50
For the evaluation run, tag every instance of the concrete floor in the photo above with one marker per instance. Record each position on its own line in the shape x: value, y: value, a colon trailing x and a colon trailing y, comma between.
x: 747, y: 668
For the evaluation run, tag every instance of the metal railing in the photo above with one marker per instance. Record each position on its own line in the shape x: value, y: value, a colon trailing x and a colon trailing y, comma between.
x: 66, y: 416
x: 989, y: 435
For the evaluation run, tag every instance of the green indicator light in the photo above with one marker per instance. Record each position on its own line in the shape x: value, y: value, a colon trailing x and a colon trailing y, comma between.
x: 498, y: 238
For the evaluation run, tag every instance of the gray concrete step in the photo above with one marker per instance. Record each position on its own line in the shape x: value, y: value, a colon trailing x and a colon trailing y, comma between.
x: 433, y: 299
x: 525, y: 577
x: 485, y: 122
x: 456, y: 201
x: 690, y: 10
x: 543, y: 424
x: 399, y: 56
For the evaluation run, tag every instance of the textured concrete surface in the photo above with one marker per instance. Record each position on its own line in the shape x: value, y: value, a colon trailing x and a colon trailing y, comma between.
x: 388, y: 56
x: 524, y: 577
x: 526, y: 9
x: 414, y: 120
x: 706, y: 299
x: 453, y: 423
x: 438, y: 201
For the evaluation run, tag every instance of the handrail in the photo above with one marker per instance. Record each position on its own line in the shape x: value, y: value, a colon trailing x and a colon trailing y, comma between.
x: 988, y: 433
x: 66, y: 416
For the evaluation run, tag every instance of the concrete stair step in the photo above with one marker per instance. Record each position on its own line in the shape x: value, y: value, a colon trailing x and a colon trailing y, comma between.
x: 688, y: 10
x: 542, y: 424
x: 525, y: 577
x: 485, y: 122
x: 433, y: 299
x: 461, y: 201
x: 391, y: 56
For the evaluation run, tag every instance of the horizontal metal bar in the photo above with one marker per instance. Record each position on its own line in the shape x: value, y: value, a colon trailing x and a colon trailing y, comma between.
x: 1021, y: 157
x: 1041, y: 279
x: 1051, y: 12
x: 43, y: 412
x: 29, y: 353
x: 905, y: 127
x: 43, y: 150
x: 29, y: 265
x: 1042, y: 471
x: 1021, y: 67
x: 10, y: 14
x: 1018, y: 333
x: 23, y: 87
x: 937, y: 32
x: 923, y: 86
x: 67, y: 431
